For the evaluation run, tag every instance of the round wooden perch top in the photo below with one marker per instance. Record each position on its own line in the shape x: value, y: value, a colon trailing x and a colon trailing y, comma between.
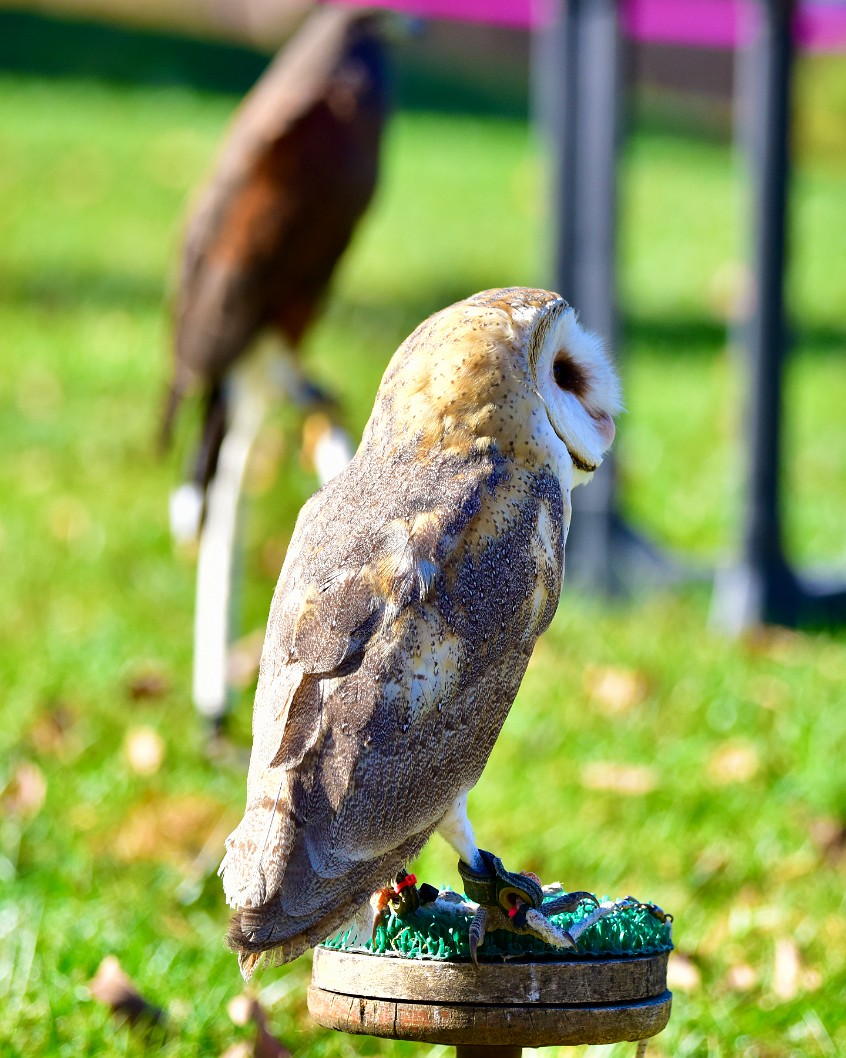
x: 520, y: 1004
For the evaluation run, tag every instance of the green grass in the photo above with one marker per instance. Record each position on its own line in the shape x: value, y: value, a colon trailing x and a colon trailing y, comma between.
x: 429, y: 932
x: 706, y: 784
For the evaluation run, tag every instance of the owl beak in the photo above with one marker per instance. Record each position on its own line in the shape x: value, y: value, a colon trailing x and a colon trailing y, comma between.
x: 582, y: 464
x: 606, y: 429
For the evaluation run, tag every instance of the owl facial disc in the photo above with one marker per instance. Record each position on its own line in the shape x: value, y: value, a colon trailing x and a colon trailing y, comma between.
x: 579, y: 387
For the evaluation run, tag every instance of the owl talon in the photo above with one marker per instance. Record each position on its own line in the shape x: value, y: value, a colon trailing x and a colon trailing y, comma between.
x: 544, y: 929
x: 567, y: 902
x: 476, y: 933
x: 496, y: 887
x: 514, y: 902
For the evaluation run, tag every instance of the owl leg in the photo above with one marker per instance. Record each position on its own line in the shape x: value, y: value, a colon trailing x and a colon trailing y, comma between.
x: 506, y: 900
x: 455, y: 828
x: 492, y: 885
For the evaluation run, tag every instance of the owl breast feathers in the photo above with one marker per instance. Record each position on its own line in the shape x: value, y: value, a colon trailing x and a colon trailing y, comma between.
x: 414, y: 588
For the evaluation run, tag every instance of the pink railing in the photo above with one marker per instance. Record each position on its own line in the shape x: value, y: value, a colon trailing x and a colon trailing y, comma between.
x: 820, y: 24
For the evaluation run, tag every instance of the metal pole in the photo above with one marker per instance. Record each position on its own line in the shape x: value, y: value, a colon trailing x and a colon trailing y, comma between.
x: 580, y: 57
x: 762, y: 588
x: 579, y: 84
x: 585, y: 266
x: 560, y: 112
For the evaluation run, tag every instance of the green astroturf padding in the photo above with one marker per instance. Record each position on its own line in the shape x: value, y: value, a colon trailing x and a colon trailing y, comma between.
x: 432, y: 934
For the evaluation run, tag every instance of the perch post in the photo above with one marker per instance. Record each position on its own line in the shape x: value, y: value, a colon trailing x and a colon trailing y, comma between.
x: 496, y: 1009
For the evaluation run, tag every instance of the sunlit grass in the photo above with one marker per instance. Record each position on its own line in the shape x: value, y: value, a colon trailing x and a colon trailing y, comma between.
x: 729, y: 751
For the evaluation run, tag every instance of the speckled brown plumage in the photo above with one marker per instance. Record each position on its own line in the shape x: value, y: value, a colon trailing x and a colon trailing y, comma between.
x: 414, y: 588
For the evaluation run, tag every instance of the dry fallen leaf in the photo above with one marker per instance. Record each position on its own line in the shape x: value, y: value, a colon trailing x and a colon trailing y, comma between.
x: 144, y: 749
x: 682, y: 973
x: 242, y: 661
x: 615, y: 690
x: 772, y: 641
x: 710, y: 862
x: 172, y: 830
x: 25, y: 792
x: 787, y: 969
x: 790, y: 977
x: 245, y: 1008
x: 51, y: 732
x: 633, y: 780
x: 741, y: 978
x: 769, y: 692
x: 147, y: 682
x: 113, y: 987
x: 240, y: 1008
x: 829, y: 836
x: 713, y: 942
x: 241, y: 1049
x: 267, y: 1045
x: 733, y: 762
x: 69, y: 519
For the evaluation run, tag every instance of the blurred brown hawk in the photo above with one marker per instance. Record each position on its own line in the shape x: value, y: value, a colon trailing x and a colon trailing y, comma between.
x: 296, y: 172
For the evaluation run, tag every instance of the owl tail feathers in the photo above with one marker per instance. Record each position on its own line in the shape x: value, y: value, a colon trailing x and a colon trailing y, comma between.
x: 256, y: 931
x: 258, y: 849
x: 243, y: 887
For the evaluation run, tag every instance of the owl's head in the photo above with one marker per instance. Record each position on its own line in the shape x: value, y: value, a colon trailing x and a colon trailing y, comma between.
x: 574, y: 376
x: 511, y: 367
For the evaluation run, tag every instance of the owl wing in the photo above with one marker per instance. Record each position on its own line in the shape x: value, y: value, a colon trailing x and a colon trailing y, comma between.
x: 323, y: 621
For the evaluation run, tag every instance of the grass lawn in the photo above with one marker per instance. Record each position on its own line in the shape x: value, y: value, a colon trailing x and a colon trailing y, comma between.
x: 645, y: 754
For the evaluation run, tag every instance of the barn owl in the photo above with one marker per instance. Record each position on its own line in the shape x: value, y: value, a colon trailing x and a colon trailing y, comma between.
x: 415, y: 586
x: 294, y: 176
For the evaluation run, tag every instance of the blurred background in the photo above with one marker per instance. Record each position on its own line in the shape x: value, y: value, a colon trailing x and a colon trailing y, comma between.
x: 647, y: 751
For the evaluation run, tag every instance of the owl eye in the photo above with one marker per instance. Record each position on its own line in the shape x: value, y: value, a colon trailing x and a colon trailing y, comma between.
x: 568, y: 376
